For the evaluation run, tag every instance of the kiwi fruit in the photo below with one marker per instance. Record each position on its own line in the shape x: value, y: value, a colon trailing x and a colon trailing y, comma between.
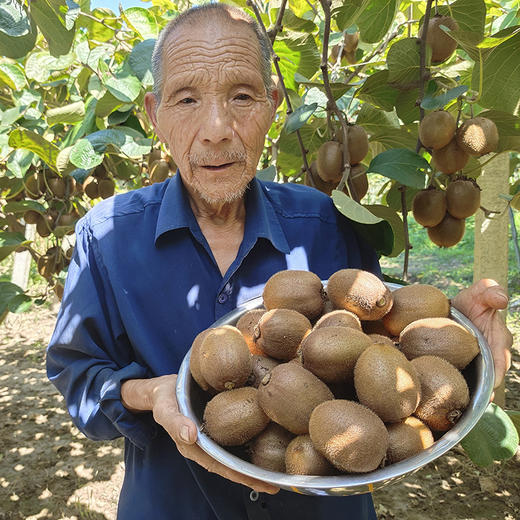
x: 478, y: 136
x: 331, y: 353
x: 360, y: 292
x: 302, y: 458
x: 224, y: 359
x: 301, y: 291
x: 159, y: 171
x: 329, y: 162
x: 261, y: 366
x: 358, y: 182
x: 462, y: 198
x: 31, y: 216
x: 440, y: 337
x: 444, y: 392
x: 59, y: 290
x: 449, y: 232
x: 154, y: 155
x: 289, y: 394
x: 234, y: 417
x: 91, y: 187
x: 195, y: 360
x: 380, y: 339
x: 350, y: 41
x: 407, y: 438
x: 280, y: 332
x: 357, y: 143
x: 374, y: 327
x: 33, y: 186
x: 46, y: 266
x: 339, y: 318
x: 318, y: 182
x: 437, y: 129
x: 413, y: 302
x: 267, y: 449
x: 246, y: 325
x: 45, y: 225
x: 441, y: 43
x: 387, y: 383
x: 106, y: 188
x: 429, y: 207
x: 450, y: 158
x: 57, y: 186
x: 352, y: 437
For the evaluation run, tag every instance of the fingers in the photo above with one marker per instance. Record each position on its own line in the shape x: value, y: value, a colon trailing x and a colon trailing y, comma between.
x: 502, y: 358
x: 495, y: 297
x: 198, y: 455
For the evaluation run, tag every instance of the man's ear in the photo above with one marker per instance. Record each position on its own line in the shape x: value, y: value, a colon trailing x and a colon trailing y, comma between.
x: 150, y: 105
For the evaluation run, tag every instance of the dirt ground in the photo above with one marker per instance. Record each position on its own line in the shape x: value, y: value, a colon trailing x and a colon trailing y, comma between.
x: 49, y: 470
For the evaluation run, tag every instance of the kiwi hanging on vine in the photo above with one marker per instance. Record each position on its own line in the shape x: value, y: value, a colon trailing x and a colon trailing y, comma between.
x: 359, y: 181
x: 478, y: 136
x: 329, y: 162
x: 441, y: 43
x: 449, y: 232
x: 462, y: 198
x: 429, y: 207
x: 450, y: 158
x: 437, y: 129
x: 319, y: 183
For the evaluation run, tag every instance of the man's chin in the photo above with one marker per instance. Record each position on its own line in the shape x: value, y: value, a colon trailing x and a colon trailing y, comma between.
x: 221, y: 196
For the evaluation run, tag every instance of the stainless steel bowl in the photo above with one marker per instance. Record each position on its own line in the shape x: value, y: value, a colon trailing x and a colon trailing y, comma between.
x: 480, y: 377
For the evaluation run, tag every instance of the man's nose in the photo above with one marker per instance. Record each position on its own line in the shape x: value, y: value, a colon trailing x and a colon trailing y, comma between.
x: 216, y: 124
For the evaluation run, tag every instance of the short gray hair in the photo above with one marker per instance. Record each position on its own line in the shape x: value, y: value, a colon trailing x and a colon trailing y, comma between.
x: 203, y: 12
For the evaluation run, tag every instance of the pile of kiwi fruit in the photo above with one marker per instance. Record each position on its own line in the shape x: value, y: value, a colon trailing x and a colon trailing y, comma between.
x: 345, y: 379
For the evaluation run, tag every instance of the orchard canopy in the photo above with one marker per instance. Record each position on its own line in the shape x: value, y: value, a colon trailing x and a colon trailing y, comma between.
x: 357, y: 77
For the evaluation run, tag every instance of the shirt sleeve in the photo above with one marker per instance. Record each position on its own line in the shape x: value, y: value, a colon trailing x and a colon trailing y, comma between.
x: 89, y: 355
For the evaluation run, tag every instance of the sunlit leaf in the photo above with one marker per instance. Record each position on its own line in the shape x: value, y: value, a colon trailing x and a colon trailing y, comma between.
x: 395, y: 221
x: 376, y: 19
x: 299, y: 117
x: 376, y: 91
x: 9, y: 242
x: 402, y: 165
x: 45, y: 150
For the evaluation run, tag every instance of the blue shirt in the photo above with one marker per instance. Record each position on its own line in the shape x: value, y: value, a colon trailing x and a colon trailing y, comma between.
x: 142, y: 284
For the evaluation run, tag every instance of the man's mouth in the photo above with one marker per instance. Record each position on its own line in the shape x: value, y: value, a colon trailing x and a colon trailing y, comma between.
x: 217, y: 167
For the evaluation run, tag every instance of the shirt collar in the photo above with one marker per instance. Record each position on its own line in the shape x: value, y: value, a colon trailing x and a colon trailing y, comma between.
x: 261, y: 219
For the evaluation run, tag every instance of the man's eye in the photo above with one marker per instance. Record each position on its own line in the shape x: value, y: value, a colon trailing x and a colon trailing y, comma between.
x: 187, y: 101
x: 243, y: 97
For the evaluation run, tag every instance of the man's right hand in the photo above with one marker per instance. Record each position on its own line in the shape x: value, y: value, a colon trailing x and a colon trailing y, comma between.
x: 158, y: 396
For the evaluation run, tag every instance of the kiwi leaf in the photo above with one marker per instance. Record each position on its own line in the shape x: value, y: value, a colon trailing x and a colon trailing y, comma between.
x: 514, y: 415
x: 299, y: 117
x: 494, y: 437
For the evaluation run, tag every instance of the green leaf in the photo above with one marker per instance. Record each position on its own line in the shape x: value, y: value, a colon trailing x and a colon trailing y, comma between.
x: 18, y: 47
x: 406, y: 107
x: 393, y: 196
x: 107, y: 104
x: 142, y: 21
x: 501, y: 67
x: 19, y: 303
x: 298, y: 53
x: 514, y: 415
x: 57, y: 36
x: 403, y: 62
x: 402, y: 165
x: 294, y: 23
x: 352, y: 209
x: 376, y: 19
x: 374, y: 120
x: 68, y: 114
x: 13, y: 19
x: 379, y: 236
x: 21, y: 206
x: 396, y: 223
x: 436, y: 102
x: 8, y: 291
x: 101, y: 32
x: 376, y: 91
x: 12, y: 75
x: 299, y: 117
x: 470, y: 15
x: 515, y: 202
x: 394, y: 137
x: 267, y: 174
x: 45, y: 150
x: 9, y: 242
x: 124, y: 88
x: 494, y: 437
x: 338, y: 89
x: 83, y: 155
x: 140, y: 61
x: 19, y: 162
x: 349, y: 12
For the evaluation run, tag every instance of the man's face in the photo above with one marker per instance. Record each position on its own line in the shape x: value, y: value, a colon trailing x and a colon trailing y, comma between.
x: 214, y: 111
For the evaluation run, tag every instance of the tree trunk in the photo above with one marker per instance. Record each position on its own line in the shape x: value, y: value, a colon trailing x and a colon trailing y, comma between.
x: 491, y: 233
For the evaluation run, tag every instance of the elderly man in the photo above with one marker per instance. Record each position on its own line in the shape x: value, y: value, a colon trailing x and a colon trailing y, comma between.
x: 155, y: 266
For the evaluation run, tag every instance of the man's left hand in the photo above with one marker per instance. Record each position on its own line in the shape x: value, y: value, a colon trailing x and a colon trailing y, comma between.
x: 481, y: 303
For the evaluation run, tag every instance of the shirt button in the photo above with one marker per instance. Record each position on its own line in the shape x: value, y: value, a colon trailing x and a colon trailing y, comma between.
x: 222, y: 298
x: 253, y: 496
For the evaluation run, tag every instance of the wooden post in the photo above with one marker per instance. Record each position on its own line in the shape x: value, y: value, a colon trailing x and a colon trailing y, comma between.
x: 491, y: 234
x: 22, y: 261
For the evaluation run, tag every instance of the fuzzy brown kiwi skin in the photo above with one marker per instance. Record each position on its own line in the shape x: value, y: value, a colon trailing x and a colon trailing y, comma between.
x: 462, y: 198
x: 267, y: 450
x: 302, y: 458
x: 442, y: 45
x: 478, y: 136
x: 448, y: 232
x: 357, y: 143
x: 301, y: 291
x: 280, y: 332
x: 450, y: 158
x: 261, y: 366
x: 234, y: 417
x: 429, y: 207
x: 360, y: 292
x: 407, y: 438
x: 339, y: 318
x: 195, y: 360
x: 445, y: 393
x: 437, y: 129
x: 330, y: 161
x: 246, y: 325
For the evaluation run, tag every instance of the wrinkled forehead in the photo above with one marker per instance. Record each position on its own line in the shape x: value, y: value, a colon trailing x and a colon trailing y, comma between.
x: 215, y: 43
